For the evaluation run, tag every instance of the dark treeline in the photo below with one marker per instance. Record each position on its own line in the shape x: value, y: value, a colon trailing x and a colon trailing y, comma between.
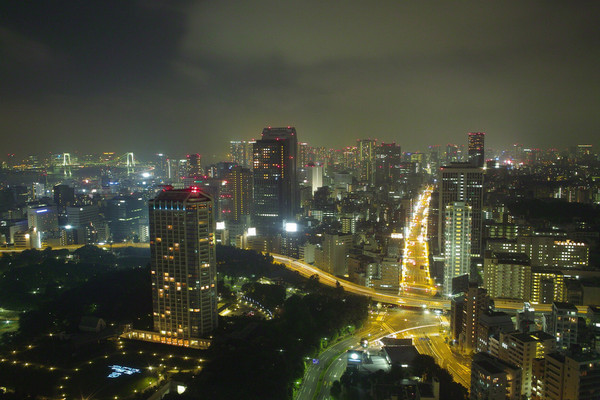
x: 555, y: 211
x: 382, y: 385
x: 57, y: 288
x: 258, y: 359
x: 265, y: 363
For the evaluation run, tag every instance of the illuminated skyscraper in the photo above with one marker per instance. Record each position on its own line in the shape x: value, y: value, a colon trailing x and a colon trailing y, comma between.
x: 457, y: 257
x: 462, y: 182
x: 388, y: 159
x: 193, y: 167
x: 239, y: 188
x: 275, y: 192
x: 183, y: 265
x: 240, y: 152
x: 366, y: 159
x: 476, y: 149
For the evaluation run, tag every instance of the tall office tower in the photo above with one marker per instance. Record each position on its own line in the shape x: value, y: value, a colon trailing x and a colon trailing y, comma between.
x: 160, y: 165
x: 462, y: 182
x: 84, y: 222
x: 476, y: 149
x: 315, y: 176
x: 366, y: 159
x: 240, y: 152
x: 350, y: 157
x: 275, y: 191
x: 38, y: 190
x: 239, y: 187
x: 193, y: 165
x: 236, y: 152
x: 124, y: 214
x: 303, y: 155
x: 64, y: 195
x: 388, y: 158
x: 476, y: 303
x: 173, y: 172
x: 434, y: 158
x: 457, y: 242
x: 452, y: 153
x: 183, y: 265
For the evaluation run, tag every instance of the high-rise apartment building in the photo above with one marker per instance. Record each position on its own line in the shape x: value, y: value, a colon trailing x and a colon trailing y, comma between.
x: 183, y: 265
x: 462, y: 182
x: 494, y: 379
x: 521, y: 349
x: 476, y: 149
x: 275, y: 191
x: 507, y: 275
x: 476, y: 302
x: 571, y: 376
x: 547, y: 286
x: 457, y: 257
x: 562, y: 323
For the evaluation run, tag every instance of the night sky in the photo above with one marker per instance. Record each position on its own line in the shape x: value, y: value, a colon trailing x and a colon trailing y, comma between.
x: 188, y: 76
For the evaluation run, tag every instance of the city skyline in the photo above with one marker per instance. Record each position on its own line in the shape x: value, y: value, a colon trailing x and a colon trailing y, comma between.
x: 204, y: 74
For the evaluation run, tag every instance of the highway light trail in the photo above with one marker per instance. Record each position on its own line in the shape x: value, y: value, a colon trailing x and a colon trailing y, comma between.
x: 415, y: 261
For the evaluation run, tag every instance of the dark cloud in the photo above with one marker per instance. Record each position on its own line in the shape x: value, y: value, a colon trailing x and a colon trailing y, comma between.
x: 189, y: 76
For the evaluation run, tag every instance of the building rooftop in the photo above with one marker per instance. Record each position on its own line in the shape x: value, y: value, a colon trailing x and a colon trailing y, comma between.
x: 491, y: 364
x: 512, y: 258
x: 564, y: 306
x: 537, y: 336
x: 391, y: 342
x: 182, y: 195
x: 401, y: 354
x: 594, y: 309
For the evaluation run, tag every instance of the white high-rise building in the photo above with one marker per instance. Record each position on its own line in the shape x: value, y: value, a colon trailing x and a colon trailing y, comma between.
x: 457, y: 240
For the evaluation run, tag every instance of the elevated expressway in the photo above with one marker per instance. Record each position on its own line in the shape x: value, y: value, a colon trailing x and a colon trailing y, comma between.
x: 412, y: 300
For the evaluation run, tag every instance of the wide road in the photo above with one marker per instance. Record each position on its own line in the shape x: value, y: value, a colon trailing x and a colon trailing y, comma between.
x: 430, y: 340
x: 73, y: 247
x: 313, y: 375
x: 397, y: 322
x: 413, y: 300
x: 416, y: 277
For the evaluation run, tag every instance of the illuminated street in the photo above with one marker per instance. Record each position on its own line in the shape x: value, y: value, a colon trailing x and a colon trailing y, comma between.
x: 332, y: 363
x: 430, y: 340
x: 415, y: 263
